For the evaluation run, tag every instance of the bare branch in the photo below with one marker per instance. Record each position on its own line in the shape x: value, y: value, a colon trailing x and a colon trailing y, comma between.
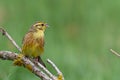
x: 60, y: 75
x: 10, y: 38
x: 47, y: 71
x: 114, y: 52
x: 7, y: 55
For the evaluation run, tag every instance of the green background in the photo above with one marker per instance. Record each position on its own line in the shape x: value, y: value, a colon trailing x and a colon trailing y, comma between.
x: 78, y: 40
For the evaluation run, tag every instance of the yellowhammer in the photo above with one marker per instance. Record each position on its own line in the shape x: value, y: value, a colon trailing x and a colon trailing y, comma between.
x: 33, y: 42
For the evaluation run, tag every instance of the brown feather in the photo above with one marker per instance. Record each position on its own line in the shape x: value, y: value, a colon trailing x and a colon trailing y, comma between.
x: 29, y: 42
x: 33, y: 42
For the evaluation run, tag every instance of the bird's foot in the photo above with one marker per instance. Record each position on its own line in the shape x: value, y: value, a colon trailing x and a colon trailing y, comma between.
x: 18, y: 61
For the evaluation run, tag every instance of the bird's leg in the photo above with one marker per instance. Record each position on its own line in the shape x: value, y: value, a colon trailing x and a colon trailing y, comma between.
x: 35, y: 60
x: 41, y: 61
x: 38, y: 59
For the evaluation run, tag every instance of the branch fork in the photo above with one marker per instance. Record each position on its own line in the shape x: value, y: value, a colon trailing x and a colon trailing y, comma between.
x: 39, y: 70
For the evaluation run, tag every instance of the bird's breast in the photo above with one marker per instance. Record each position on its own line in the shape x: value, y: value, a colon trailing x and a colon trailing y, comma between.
x: 38, y: 34
x: 33, y: 44
x: 39, y: 38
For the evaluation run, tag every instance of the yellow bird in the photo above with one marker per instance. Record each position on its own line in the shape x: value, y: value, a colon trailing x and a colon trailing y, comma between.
x: 33, y: 42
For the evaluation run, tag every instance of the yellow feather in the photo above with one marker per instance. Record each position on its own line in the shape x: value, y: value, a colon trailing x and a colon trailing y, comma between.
x: 33, y: 43
x: 38, y: 34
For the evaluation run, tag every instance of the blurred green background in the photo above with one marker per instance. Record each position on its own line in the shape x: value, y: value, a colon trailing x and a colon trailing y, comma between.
x: 78, y: 40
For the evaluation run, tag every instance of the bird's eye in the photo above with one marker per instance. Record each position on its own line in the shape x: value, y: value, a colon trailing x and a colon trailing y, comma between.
x: 42, y: 24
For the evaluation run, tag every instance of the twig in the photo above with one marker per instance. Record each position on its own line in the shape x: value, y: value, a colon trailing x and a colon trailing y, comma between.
x: 47, y: 71
x: 10, y: 38
x: 60, y: 75
x: 114, y: 52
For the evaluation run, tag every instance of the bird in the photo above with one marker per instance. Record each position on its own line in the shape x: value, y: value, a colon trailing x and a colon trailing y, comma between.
x: 33, y: 42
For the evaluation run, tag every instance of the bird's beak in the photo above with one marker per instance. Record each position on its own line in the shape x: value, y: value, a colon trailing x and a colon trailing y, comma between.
x: 47, y: 25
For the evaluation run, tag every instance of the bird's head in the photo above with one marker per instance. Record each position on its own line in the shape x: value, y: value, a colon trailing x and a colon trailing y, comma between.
x: 39, y: 26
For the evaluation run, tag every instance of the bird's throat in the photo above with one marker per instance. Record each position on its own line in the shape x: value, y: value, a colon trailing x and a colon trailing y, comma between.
x: 38, y: 34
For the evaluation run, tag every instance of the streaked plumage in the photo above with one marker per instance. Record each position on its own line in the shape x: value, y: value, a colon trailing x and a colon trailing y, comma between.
x: 33, y: 42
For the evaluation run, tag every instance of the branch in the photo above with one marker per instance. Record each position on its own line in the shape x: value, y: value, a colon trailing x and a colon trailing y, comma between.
x: 10, y: 38
x: 114, y: 52
x: 60, y: 75
x: 7, y: 55
x: 47, y: 71
x: 54, y: 66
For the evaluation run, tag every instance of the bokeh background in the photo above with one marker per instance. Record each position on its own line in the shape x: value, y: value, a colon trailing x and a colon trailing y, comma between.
x: 78, y: 40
